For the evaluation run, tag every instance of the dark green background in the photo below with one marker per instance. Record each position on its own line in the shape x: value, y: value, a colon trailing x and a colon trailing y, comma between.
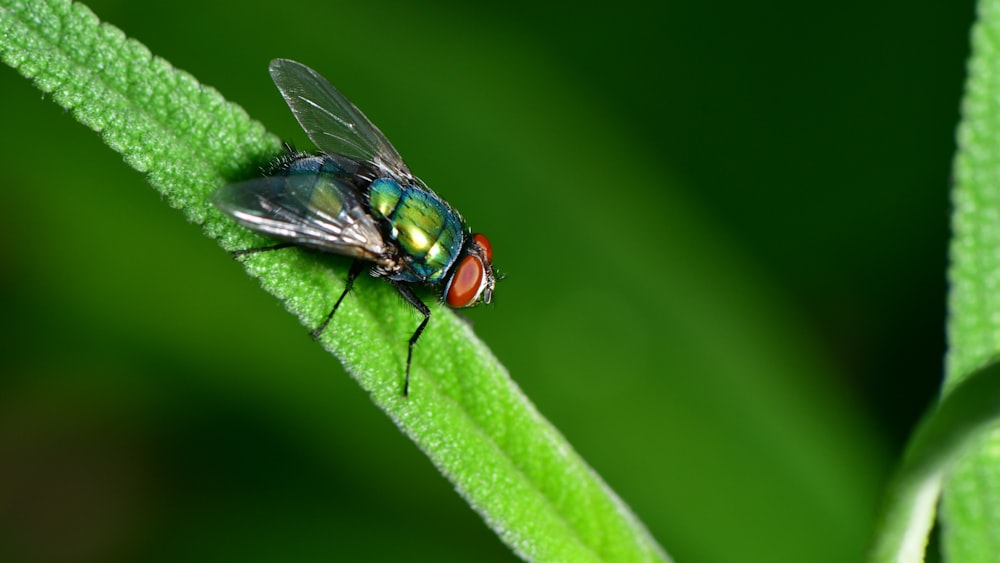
x: 724, y: 227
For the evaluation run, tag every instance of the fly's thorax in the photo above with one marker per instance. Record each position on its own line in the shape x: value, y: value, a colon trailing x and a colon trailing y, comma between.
x: 428, y: 233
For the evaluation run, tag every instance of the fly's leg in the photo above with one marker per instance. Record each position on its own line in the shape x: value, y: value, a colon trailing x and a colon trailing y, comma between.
x: 419, y: 305
x: 356, y: 268
x: 248, y: 251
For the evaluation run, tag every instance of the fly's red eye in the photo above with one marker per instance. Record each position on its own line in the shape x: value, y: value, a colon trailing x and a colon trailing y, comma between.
x: 484, y: 242
x: 466, y: 284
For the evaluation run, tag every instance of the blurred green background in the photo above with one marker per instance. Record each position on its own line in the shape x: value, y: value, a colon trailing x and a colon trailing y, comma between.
x: 724, y: 227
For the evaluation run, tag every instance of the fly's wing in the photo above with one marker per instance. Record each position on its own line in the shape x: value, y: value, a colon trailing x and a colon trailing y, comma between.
x: 332, y: 122
x: 309, y: 210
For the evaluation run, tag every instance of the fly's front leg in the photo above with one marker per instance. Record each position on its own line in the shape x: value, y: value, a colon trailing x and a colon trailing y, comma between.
x: 356, y: 268
x: 419, y: 305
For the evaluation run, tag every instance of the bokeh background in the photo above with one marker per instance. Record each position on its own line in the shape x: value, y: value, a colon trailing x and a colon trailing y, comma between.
x: 725, y: 232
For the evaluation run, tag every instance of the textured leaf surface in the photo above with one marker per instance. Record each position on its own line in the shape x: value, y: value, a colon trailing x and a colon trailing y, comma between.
x: 957, y: 424
x: 972, y: 493
x: 464, y: 411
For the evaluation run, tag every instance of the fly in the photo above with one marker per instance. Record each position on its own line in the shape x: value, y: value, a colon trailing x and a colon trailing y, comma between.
x: 357, y: 198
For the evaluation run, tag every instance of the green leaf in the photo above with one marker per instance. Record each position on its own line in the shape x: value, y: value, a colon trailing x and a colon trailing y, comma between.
x: 955, y: 447
x: 959, y: 422
x: 473, y: 422
x: 971, y: 523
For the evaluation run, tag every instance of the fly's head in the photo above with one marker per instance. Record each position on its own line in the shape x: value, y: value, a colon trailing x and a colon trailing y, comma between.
x: 473, y: 278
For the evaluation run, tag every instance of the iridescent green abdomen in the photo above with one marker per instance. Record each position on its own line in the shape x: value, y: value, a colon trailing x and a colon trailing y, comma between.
x: 427, y: 231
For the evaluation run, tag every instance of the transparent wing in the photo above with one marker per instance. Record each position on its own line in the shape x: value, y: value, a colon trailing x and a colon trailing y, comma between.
x: 316, y: 211
x: 332, y: 122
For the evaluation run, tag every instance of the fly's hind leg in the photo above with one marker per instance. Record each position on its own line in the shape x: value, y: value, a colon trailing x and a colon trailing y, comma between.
x: 419, y: 305
x: 248, y: 251
x: 356, y: 268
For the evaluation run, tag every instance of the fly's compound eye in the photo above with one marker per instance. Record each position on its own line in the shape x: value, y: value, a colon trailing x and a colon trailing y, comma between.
x: 467, y: 283
x: 484, y: 243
